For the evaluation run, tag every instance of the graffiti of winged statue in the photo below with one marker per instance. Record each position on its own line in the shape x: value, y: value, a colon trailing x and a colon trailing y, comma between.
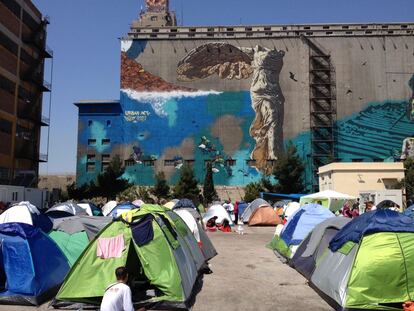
x: 263, y: 66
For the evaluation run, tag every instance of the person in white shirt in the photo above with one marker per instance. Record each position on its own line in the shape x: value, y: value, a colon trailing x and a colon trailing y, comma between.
x: 118, y: 296
x: 230, y: 209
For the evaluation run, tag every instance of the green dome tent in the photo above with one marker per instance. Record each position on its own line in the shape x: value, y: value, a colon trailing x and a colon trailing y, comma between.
x: 368, y: 264
x: 162, y: 257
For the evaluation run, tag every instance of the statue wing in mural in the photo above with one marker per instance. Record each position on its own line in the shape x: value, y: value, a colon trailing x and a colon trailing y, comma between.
x: 223, y: 59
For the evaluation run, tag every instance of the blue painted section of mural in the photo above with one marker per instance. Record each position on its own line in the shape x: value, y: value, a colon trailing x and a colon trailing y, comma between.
x: 154, y: 126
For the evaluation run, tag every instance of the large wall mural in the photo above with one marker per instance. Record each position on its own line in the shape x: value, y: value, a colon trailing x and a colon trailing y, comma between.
x: 162, y: 123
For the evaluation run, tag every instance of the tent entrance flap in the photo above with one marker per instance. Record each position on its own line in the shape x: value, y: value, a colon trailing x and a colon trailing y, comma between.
x: 138, y: 282
x: 3, y: 277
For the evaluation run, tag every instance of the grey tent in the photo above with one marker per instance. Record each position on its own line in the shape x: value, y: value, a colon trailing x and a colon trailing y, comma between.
x: 66, y: 209
x: 311, y: 249
x: 73, y: 234
x: 252, y: 207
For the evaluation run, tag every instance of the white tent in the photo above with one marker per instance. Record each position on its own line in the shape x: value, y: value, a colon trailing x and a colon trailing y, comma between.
x: 86, y: 207
x: 21, y: 212
x: 190, y: 221
x: 290, y: 209
x: 252, y: 207
x: 219, y: 211
x: 67, y: 207
x: 108, y: 207
x: 329, y: 199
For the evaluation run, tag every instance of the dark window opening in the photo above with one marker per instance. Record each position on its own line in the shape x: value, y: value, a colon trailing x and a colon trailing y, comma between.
x: 6, y: 126
x: 91, y: 157
x: 91, y: 142
x: 108, y: 123
x: 104, y: 166
x: 149, y: 162
x: 251, y: 162
x: 189, y: 162
x: 230, y: 162
x: 129, y: 162
x: 90, y: 167
x: 106, y: 141
x: 89, y: 122
x: 106, y: 158
x: 169, y: 162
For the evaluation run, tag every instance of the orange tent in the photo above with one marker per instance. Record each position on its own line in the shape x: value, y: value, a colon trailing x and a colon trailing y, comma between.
x: 264, y: 216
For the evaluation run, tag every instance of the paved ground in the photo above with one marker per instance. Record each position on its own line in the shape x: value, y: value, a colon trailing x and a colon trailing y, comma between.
x: 247, y: 276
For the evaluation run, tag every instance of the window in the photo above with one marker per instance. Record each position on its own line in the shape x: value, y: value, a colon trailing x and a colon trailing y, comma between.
x: 154, y: 18
x: 189, y: 162
x: 91, y: 142
x: 90, y: 167
x: 5, y: 126
x: 91, y: 158
x: 108, y: 123
x: 89, y: 122
x: 251, y: 162
x: 106, y: 158
x: 7, y: 85
x: 106, y: 141
x: 169, y: 162
x: 149, y: 162
x: 104, y: 166
x: 230, y: 162
x: 129, y: 162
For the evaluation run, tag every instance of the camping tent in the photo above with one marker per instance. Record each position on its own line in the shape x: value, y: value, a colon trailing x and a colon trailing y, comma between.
x: 26, y: 213
x: 311, y: 249
x: 264, y: 216
x: 251, y: 208
x: 297, y: 228
x: 188, y: 205
x: 72, y: 234
x: 108, y: 207
x: 219, y: 211
x: 329, y: 199
x: 65, y: 209
x: 190, y: 221
x: 31, y: 265
x: 170, y: 204
x: 160, y: 253
x: 241, y: 206
x: 368, y: 263
x: 121, y: 208
x: 290, y: 209
x: 90, y: 208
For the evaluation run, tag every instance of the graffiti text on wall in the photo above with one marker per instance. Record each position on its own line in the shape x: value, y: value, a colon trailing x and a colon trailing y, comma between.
x: 136, y: 116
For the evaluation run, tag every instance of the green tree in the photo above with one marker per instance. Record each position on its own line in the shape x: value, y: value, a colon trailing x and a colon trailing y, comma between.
x: 209, y: 192
x: 289, y: 171
x: 134, y: 192
x: 161, y: 188
x: 187, y: 186
x: 110, y: 183
x: 408, y: 181
x: 78, y: 193
x: 252, y: 190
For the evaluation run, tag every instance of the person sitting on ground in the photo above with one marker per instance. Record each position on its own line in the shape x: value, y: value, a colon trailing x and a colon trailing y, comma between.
x: 370, y: 206
x: 225, y: 226
x: 118, y: 296
x: 211, y: 224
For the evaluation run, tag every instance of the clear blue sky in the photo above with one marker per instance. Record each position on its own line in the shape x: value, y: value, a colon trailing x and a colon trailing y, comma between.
x: 84, y: 36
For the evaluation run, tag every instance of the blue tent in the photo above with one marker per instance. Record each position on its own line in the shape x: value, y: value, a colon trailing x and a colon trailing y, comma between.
x: 380, y: 220
x: 121, y: 208
x: 302, y: 222
x: 185, y: 203
x: 32, y: 266
x: 242, y: 206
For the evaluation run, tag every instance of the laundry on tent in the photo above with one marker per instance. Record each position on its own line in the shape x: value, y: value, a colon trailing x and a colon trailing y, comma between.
x: 368, y: 263
x: 297, y: 228
x: 173, y: 248
x: 32, y: 266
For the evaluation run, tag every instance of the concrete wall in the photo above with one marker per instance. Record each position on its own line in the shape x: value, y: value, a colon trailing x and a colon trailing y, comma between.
x: 353, y: 178
x: 221, y: 99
